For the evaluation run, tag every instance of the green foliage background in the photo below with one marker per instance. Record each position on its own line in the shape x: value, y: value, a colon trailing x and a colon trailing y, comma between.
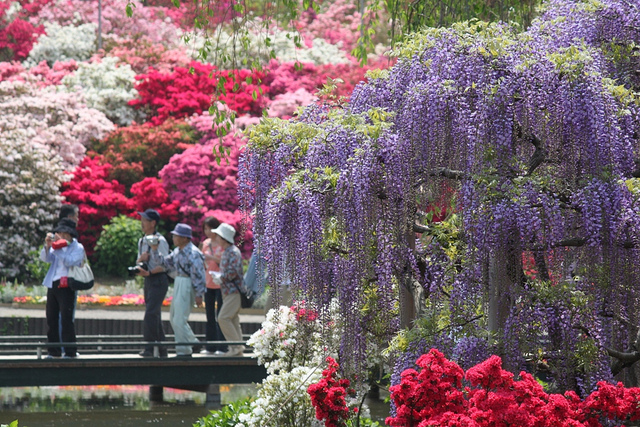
x: 117, y: 247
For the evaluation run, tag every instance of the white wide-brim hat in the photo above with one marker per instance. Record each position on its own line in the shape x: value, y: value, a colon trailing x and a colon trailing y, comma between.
x: 226, y: 231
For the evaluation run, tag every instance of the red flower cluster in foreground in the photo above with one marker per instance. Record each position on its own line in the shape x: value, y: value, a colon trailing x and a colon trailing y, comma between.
x: 435, y: 397
x: 328, y: 396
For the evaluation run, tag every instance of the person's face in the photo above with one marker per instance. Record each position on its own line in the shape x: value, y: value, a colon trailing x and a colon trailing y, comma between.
x: 63, y: 235
x: 207, y: 232
x: 148, y: 227
x: 219, y: 240
x: 75, y: 217
x: 180, y: 241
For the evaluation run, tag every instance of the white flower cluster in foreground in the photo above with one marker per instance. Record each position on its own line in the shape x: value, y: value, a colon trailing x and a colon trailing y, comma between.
x: 107, y: 87
x: 293, y: 345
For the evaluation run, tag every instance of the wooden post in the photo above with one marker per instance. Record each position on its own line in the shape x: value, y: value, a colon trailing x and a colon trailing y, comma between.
x: 156, y: 394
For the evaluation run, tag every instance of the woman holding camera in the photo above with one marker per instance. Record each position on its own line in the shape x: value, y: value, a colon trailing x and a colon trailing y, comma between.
x: 156, y: 281
x: 62, y: 251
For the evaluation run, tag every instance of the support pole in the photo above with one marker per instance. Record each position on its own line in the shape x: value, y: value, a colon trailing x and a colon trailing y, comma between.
x: 156, y: 394
x: 214, y: 400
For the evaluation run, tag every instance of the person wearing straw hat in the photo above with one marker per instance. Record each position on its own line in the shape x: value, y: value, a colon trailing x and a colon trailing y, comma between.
x: 62, y: 251
x: 189, y: 285
x: 230, y: 280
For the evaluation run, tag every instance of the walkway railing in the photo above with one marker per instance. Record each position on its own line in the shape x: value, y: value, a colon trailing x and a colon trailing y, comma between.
x: 20, y: 345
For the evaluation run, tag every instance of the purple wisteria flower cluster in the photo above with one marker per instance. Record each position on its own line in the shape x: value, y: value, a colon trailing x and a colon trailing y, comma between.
x: 536, y: 131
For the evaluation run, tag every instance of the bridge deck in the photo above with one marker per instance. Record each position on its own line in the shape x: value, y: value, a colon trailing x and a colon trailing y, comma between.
x: 195, y: 373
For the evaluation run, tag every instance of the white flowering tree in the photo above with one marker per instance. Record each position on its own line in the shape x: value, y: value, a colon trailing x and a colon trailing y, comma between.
x: 52, y: 118
x: 107, y: 87
x: 30, y: 178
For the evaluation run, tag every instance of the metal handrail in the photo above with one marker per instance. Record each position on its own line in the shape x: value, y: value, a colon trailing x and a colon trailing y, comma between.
x: 100, y: 345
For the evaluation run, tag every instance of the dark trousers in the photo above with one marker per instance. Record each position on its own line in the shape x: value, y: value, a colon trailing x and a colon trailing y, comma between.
x: 60, y: 308
x: 213, y: 304
x: 155, y: 290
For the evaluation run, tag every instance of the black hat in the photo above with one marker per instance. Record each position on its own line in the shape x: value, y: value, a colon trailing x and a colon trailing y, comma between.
x: 151, y: 215
x: 66, y: 225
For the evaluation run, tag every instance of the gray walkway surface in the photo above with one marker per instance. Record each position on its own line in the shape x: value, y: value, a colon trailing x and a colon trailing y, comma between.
x: 115, y: 313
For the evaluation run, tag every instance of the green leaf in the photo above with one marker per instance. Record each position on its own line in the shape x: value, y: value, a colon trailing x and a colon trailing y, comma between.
x: 129, y: 9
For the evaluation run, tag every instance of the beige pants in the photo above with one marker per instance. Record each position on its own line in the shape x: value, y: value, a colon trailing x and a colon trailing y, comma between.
x: 229, y: 321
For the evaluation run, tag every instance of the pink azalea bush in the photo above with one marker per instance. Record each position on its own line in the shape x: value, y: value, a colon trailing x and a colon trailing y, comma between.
x: 205, y: 188
x: 155, y: 23
x: 337, y: 22
x: 40, y: 75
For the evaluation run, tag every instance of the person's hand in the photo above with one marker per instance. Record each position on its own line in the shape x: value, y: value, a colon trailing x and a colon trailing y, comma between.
x: 144, y: 257
x: 142, y: 272
x: 198, y: 301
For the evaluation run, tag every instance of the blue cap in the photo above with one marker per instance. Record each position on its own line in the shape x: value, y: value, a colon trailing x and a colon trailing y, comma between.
x: 182, y: 230
x: 150, y: 215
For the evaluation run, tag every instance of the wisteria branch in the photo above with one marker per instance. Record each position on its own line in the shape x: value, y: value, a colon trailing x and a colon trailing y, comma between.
x: 419, y: 228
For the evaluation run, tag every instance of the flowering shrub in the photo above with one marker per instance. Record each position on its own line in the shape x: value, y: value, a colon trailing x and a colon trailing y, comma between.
x: 186, y: 91
x: 61, y: 43
x: 149, y: 193
x: 29, y: 199
x: 290, y: 336
x: 140, y: 151
x: 315, y: 50
x: 155, y: 23
x: 291, y: 347
x: 143, y: 54
x: 98, y: 198
x: 282, y: 400
x: 435, y: 396
x: 58, y: 121
x: 287, y: 77
x: 203, y: 187
x: 328, y: 396
x: 95, y: 299
x: 117, y: 247
x: 287, y: 104
x: 105, y: 86
x: 17, y: 35
x: 337, y: 24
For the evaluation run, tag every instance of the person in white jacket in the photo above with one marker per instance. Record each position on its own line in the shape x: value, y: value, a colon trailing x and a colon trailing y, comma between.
x: 62, y: 251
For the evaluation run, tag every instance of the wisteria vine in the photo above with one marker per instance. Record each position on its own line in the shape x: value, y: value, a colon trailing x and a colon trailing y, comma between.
x: 536, y: 131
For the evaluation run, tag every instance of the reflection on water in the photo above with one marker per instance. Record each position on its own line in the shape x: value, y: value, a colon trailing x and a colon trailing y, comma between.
x: 107, y: 406
x: 119, y: 406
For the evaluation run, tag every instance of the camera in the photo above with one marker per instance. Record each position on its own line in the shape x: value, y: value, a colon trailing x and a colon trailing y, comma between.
x: 134, y: 270
x: 152, y: 240
x: 59, y: 244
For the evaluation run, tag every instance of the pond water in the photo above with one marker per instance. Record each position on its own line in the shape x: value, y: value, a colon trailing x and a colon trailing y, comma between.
x: 107, y: 406
x: 118, y: 406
